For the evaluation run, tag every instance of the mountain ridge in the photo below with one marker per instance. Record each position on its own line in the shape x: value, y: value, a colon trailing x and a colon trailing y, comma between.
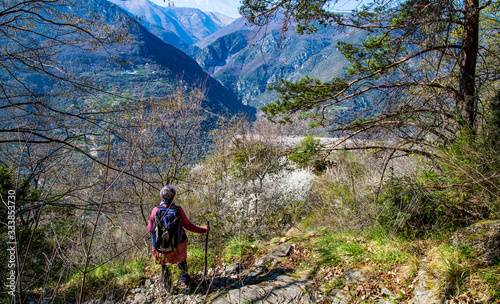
x: 269, y: 55
x: 148, y: 61
x: 180, y: 26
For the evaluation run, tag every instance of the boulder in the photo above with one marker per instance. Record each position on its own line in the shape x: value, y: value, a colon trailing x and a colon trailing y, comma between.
x: 282, y: 250
x: 233, y: 268
x: 338, y: 297
x: 483, y: 238
x: 281, y: 289
x: 268, y: 262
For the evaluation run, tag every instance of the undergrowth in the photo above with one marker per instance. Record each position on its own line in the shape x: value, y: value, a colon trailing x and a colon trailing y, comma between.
x: 239, y: 248
x: 351, y: 217
x: 461, y: 278
x: 107, y: 279
x: 394, y: 262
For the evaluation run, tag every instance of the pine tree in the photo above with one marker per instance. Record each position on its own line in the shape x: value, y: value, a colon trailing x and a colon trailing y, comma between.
x: 424, y: 66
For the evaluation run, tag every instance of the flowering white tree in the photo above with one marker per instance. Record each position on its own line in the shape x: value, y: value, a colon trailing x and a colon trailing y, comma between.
x: 249, y: 182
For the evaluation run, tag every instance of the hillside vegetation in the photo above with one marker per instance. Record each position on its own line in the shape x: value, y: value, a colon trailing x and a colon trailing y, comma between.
x: 348, y: 213
x: 395, y: 199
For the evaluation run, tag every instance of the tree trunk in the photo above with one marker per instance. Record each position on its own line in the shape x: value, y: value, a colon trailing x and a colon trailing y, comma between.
x: 466, y: 107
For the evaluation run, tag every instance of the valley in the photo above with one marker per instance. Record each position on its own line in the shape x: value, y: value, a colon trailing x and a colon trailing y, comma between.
x: 244, y: 58
x: 314, y: 154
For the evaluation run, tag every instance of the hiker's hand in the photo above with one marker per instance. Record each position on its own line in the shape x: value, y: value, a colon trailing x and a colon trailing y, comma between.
x: 207, y: 228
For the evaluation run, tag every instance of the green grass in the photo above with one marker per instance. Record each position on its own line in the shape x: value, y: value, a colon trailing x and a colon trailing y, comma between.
x: 336, y: 249
x: 332, y: 284
x: 459, y: 276
x: 106, y: 277
x: 196, y: 259
x: 489, y: 278
x: 238, y: 248
x: 350, y: 249
x: 391, y: 252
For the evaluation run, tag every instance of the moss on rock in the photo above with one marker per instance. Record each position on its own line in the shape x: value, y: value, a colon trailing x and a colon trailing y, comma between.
x: 483, y: 238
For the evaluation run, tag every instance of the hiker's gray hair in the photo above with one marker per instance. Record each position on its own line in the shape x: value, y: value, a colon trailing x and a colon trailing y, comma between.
x: 167, y: 193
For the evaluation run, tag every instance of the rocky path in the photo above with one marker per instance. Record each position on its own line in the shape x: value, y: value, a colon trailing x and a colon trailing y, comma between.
x: 273, y: 279
x: 264, y: 282
x: 294, y: 272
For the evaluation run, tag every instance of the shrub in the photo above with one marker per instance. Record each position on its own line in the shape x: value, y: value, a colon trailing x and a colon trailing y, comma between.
x: 343, y: 196
x: 408, y: 208
x: 308, y: 154
x: 104, y: 280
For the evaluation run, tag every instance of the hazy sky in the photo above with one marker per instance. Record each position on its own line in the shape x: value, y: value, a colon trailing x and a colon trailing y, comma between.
x: 226, y: 7
x: 230, y: 7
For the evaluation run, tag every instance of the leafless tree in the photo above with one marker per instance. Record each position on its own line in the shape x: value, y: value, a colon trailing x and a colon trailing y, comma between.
x: 93, y: 156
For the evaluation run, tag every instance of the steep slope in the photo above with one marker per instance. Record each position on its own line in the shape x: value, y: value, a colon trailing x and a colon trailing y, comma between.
x: 180, y: 26
x: 218, y: 97
x: 149, y: 65
x: 321, y: 266
x: 246, y: 60
x: 237, y: 25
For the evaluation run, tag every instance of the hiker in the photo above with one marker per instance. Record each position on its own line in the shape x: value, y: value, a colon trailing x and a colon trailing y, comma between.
x: 178, y: 256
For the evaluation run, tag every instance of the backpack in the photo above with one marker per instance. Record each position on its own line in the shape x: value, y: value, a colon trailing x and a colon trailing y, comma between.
x: 167, y: 234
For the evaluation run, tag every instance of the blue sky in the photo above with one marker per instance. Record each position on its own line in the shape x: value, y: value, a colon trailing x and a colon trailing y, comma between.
x: 230, y: 7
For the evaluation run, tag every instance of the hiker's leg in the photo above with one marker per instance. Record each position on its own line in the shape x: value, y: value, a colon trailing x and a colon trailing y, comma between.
x: 183, y: 266
x: 167, y: 277
x: 185, y: 277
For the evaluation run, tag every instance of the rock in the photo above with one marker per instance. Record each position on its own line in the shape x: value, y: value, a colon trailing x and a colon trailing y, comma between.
x: 282, y: 250
x: 254, y: 271
x: 233, y: 268
x: 354, y: 276
x: 386, y: 292
x: 140, y: 299
x: 338, y: 297
x: 422, y: 293
x: 267, y: 263
x: 293, y: 232
x: 483, y: 238
x: 282, y: 289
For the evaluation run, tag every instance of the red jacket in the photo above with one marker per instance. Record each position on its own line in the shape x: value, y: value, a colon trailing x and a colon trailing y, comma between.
x: 179, y: 255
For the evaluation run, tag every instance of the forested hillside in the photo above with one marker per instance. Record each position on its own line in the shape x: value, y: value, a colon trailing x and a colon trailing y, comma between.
x: 376, y: 185
x: 244, y: 58
x: 247, y: 59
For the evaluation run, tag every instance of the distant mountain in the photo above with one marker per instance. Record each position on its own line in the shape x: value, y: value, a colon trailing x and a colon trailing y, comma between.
x: 244, y: 59
x: 247, y: 60
x: 149, y: 65
x: 180, y: 26
x: 239, y: 24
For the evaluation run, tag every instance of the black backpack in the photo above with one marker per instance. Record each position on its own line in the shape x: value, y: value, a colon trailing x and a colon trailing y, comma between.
x: 167, y: 234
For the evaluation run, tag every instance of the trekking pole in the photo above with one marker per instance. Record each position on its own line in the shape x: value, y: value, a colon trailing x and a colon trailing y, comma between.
x: 206, y: 250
